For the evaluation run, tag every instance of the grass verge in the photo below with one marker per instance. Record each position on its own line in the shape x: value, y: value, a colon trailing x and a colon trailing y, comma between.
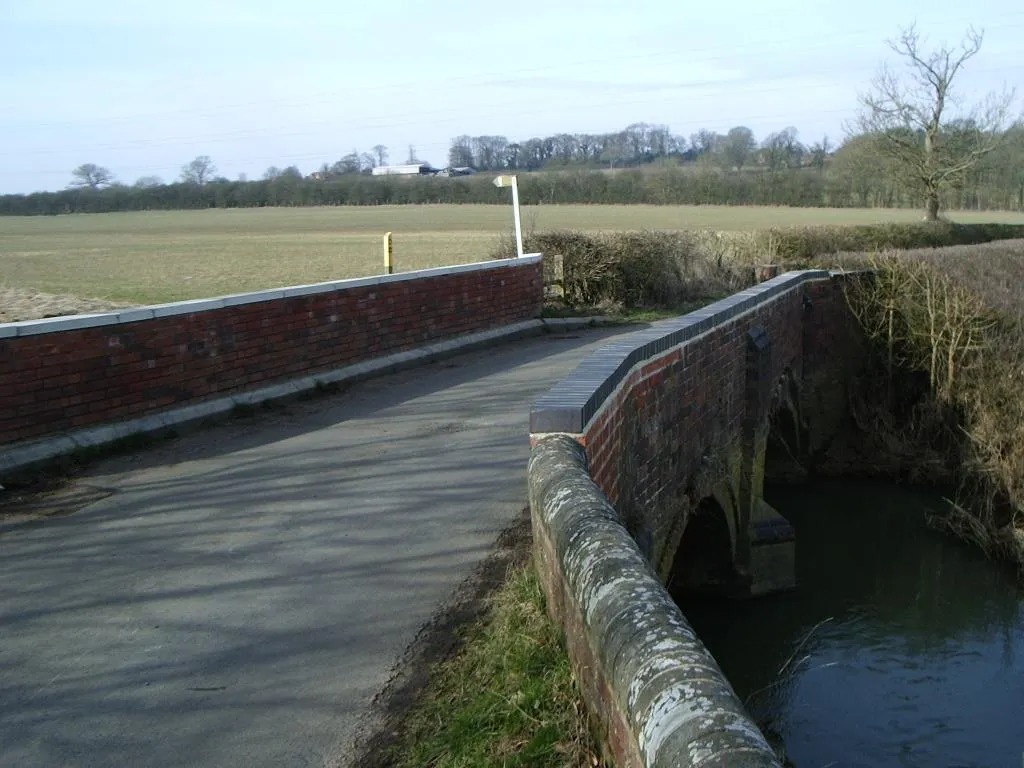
x: 488, y: 683
x: 508, y: 699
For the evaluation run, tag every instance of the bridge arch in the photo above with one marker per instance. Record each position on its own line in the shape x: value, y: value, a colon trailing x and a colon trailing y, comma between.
x: 704, y: 561
x: 786, y: 450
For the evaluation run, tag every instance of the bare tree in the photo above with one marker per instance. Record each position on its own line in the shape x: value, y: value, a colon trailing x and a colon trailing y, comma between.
x: 739, y: 146
x: 199, y: 171
x: 147, y: 182
x: 819, y: 153
x: 703, y: 141
x: 782, y: 150
x: 929, y: 148
x: 382, y: 154
x: 92, y: 176
x: 461, y: 152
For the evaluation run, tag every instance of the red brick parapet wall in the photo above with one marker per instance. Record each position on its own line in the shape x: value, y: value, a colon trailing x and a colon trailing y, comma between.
x: 69, y: 373
x: 619, y: 446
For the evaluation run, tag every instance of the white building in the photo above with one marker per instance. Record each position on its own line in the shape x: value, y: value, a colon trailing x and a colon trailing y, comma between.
x: 417, y: 169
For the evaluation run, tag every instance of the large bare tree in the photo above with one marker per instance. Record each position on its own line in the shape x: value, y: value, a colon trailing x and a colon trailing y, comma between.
x: 929, y: 136
x: 199, y: 171
x: 92, y: 176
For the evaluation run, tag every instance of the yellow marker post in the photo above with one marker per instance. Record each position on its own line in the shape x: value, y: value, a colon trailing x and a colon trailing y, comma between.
x: 388, y: 252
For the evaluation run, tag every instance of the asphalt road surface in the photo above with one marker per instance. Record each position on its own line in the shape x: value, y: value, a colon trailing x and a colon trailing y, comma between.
x: 237, y: 596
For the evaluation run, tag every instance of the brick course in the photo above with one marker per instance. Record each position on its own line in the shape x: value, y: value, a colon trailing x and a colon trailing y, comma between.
x: 640, y: 433
x: 67, y: 379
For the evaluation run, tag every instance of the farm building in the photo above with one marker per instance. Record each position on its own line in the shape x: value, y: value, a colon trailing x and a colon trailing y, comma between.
x: 417, y: 169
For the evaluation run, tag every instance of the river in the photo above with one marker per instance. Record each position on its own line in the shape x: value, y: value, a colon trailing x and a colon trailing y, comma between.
x: 900, y: 646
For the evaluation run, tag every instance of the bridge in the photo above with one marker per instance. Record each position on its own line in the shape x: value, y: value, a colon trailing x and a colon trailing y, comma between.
x: 647, y: 467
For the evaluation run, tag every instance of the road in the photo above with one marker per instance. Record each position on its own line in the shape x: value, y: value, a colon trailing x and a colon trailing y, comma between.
x: 241, y: 593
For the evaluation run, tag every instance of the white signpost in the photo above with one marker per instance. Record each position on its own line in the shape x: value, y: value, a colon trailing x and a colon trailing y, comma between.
x: 510, y: 181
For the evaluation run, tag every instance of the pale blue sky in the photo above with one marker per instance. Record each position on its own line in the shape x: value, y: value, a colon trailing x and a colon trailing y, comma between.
x: 142, y: 87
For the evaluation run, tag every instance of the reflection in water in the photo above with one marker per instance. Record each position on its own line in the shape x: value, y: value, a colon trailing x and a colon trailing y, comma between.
x: 916, y: 657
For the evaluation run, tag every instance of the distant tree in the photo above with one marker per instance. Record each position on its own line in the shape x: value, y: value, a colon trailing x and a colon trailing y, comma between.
x: 273, y: 173
x: 703, y: 141
x: 147, y: 182
x: 460, y: 153
x: 512, y: 156
x: 587, y: 147
x: 199, y: 171
x: 931, y: 150
x: 739, y: 146
x: 349, y: 164
x: 367, y: 161
x: 661, y: 142
x: 819, y: 153
x: 566, y: 147
x: 535, y: 153
x: 382, y: 154
x: 640, y: 141
x: 782, y: 150
x: 489, y: 152
x: 92, y: 176
x: 861, y: 172
x: 616, y: 150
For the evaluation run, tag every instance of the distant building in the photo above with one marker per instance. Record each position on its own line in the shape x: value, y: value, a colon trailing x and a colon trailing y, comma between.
x: 417, y: 169
x: 463, y: 171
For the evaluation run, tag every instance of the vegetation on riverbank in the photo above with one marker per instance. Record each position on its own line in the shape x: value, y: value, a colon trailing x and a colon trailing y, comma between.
x: 942, y: 397
x: 671, y: 268
x: 941, y: 401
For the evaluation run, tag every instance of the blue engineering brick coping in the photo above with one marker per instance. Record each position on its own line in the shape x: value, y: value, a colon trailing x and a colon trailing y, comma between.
x: 569, y: 406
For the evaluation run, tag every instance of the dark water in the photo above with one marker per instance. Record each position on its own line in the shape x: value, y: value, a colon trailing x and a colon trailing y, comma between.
x: 901, y: 646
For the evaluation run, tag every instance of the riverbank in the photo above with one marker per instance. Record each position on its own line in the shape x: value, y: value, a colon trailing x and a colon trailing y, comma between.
x: 940, y: 401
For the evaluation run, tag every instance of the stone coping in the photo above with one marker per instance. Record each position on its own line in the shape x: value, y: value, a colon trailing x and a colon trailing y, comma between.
x: 136, y: 314
x: 570, y: 405
x: 677, y: 703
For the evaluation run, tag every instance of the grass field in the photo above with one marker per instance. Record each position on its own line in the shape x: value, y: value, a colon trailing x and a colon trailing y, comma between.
x: 144, y: 258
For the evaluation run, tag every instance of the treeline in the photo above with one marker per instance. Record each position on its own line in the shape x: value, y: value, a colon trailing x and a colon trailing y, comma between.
x: 776, y: 172
x: 635, y: 145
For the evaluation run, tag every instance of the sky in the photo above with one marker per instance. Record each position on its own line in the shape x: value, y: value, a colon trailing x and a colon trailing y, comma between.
x: 141, y: 88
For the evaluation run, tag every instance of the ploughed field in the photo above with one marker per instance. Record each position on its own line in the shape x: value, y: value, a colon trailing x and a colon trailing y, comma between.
x: 60, y: 265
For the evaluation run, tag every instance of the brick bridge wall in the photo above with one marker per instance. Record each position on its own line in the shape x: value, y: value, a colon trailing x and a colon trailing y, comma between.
x: 623, y: 449
x: 70, y: 373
